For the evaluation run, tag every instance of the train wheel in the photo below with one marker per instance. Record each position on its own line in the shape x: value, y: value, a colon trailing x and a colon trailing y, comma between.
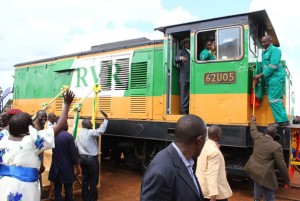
x: 297, y: 167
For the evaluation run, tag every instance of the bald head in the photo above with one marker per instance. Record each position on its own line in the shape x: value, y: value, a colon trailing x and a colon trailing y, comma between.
x: 51, y: 117
x: 188, y: 128
x: 267, y: 38
x: 266, y: 41
x: 271, y: 131
x: 41, y: 118
x: 214, y: 133
x: 190, y: 135
x: 41, y: 113
x: 87, y: 123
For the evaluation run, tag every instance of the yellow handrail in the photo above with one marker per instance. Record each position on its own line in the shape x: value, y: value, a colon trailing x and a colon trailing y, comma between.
x: 46, y: 106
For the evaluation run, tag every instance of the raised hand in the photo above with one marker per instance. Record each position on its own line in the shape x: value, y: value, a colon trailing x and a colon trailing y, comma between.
x: 68, y: 97
x: 104, y: 114
x: 213, y: 46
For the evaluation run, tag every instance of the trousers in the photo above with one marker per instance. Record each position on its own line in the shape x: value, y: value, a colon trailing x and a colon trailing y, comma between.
x: 268, y: 194
x: 90, y: 177
x: 275, y: 96
x: 68, y: 191
x: 184, y: 97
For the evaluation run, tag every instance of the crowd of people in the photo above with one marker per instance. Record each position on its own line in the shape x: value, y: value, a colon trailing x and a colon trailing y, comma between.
x: 170, y: 175
x: 22, y: 143
x: 20, y: 150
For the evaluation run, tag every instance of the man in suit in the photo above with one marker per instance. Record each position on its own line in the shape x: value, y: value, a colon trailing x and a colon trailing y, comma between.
x: 260, y: 166
x: 64, y: 159
x: 170, y: 175
x: 211, y: 168
x: 183, y: 59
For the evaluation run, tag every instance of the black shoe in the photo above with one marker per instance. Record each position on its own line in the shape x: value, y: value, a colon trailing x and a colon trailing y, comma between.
x: 281, y: 124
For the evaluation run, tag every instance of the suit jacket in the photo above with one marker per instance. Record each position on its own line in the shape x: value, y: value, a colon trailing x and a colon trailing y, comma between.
x: 168, y: 179
x: 64, y: 158
x: 212, y: 173
x: 184, y: 67
x: 266, y: 152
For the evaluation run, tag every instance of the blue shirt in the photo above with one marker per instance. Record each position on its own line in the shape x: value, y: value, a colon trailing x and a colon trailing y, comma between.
x: 188, y: 163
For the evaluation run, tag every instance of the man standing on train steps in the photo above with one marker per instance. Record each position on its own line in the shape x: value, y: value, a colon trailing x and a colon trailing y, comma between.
x: 274, y: 75
x: 86, y: 143
x: 260, y: 166
x: 183, y: 60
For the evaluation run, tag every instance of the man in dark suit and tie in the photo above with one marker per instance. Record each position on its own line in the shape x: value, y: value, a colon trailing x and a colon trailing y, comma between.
x: 64, y: 159
x: 170, y: 175
x: 183, y: 60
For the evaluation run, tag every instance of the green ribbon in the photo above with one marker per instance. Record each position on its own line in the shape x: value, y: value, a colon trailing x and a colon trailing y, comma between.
x: 77, y: 109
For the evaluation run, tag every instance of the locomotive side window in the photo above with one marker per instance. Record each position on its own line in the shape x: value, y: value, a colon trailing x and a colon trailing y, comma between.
x: 253, y: 40
x: 229, y: 43
x: 219, y: 44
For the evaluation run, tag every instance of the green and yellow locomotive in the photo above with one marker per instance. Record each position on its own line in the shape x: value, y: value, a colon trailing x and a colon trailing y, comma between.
x: 140, y: 88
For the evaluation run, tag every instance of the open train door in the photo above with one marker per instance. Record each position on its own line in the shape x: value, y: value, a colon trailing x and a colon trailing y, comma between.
x: 172, y: 46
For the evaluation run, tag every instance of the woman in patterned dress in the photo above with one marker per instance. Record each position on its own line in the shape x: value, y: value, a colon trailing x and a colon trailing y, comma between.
x: 19, y: 161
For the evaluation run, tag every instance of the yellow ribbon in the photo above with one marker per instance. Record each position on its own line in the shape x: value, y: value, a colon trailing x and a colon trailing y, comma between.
x: 97, y: 88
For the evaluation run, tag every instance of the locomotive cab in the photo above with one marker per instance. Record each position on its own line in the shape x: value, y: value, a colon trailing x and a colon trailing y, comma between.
x: 220, y: 88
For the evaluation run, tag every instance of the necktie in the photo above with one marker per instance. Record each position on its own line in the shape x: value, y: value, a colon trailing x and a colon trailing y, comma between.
x: 194, y: 178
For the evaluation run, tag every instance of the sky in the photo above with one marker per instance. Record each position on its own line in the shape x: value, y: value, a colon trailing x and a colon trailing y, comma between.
x: 32, y: 30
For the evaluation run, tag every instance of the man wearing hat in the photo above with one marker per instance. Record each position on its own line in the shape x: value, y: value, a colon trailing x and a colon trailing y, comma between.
x: 183, y: 59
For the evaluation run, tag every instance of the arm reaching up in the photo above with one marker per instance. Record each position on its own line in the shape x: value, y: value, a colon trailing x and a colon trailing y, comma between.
x: 104, y: 114
x: 253, y: 128
x: 68, y: 98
